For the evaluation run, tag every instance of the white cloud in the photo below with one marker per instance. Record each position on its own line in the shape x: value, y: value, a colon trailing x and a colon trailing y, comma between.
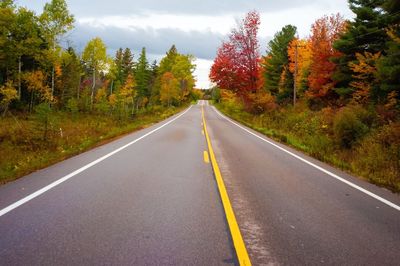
x: 202, y: 69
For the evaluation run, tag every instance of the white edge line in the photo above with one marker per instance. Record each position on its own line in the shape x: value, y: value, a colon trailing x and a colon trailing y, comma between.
x: 83, y: 168
x: 385, y: 201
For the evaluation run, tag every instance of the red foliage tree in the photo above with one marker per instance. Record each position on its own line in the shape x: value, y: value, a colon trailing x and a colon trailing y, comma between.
x: 324, y: 32
x: 236, y: 66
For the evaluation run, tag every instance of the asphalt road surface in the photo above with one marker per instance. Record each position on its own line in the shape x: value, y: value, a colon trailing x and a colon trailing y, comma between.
x: 150, y: 198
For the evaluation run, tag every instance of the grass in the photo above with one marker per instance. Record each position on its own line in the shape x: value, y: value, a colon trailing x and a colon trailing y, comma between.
x: 23, y: 148
x: 373, y: 156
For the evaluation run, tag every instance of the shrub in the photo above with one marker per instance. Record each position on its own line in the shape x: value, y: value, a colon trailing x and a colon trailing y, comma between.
x: 380, y: 160
x: 347, y: 127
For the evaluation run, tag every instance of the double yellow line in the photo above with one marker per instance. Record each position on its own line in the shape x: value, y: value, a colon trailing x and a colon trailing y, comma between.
x: 241, y: 251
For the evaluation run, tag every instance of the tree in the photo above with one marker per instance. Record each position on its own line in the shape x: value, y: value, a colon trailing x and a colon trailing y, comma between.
x: 364, y: 77
x: 56, y: 21
x: 36, y: 85
x: 142, y: 75
x: 236, y: 66
x: 299, y: 52
x: 126, y: 64
x: 183, y: 71
x: 181, y: 67
x: 95, y: 57
x: 278, y: 78
x: 8, y: 93
x: 325, y: 31
x: 388, y: 67
x: 71, y: 73
x: 366, y: 33
x: 22, y: 45
x: 169, y: 88
x: 7, y: 20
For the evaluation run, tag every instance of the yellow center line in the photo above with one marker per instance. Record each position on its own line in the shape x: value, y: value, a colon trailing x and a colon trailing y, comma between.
x: 240, y: 247
x: 206, y: 158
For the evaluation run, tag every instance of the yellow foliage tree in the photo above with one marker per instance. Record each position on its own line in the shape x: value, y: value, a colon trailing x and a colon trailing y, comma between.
x: 8, y: 93
x: 36, y: 84
x: 303, y: 59
x: 169, y: 88
x: 364, y: 77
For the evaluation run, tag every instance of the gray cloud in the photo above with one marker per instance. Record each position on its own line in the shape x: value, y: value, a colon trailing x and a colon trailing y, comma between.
x: 204, y: 7
x: 201, y: 44
x: 157, y: 41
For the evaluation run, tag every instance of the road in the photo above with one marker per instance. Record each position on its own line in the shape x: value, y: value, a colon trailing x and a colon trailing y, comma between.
x: 150, y: 198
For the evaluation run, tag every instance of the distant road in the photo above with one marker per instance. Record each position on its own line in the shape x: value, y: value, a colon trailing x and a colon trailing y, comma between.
x: 150, y: 198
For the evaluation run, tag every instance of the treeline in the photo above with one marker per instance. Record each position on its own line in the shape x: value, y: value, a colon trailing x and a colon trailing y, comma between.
x: 334, y: 94
x: 37, y: 72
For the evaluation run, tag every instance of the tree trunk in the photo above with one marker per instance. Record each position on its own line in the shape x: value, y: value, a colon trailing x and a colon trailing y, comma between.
x: 31, y: 104
x: 93, y: 86
x: 19, y: 77
x: 111, y: 88
x: 52, y: 83
x: 52, y: 73
x: 79, y: 87
x: 133, y: 107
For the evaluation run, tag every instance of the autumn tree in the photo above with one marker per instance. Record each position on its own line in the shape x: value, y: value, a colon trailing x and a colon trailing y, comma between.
x: 56, y: 21
x: 95, y: 58
x: 299, y: 52
x: 325, y: 31
x: 36, y: 84
x: 181, y: 67
x: 236, y: 66
x: 169, y: 89
x: 364, y: 77
x: 7, y: 94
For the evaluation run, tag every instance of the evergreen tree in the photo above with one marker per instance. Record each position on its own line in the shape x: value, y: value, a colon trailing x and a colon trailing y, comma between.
x: 389, y: 65
x: 126, y: 64
x: 278, y: 78
x: 71, y: 74
x: 366, y: 33
x: 142, y: 75
x: 118, y: 69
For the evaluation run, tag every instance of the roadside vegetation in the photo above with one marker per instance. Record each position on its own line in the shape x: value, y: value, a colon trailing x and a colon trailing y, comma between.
x: 55, y: 102
x: 334, y: 95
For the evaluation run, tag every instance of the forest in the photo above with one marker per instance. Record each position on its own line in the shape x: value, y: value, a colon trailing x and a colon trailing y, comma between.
x: 334, y: 94
x: 56, y: 102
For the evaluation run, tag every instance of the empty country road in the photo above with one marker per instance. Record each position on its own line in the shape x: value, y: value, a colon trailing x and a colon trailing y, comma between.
x: 153, y: 203
x: 292, y: 213
x: 150, y: 198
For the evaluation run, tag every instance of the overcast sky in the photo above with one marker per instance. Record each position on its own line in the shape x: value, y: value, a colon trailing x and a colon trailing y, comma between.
x: 195, y: 27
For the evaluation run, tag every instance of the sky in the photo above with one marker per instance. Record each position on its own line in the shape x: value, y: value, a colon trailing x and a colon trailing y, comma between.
x: 195, y: 27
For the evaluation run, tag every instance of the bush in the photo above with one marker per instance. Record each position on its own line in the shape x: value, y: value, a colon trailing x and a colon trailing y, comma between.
x: 380, y: 160
x: 348, y: 128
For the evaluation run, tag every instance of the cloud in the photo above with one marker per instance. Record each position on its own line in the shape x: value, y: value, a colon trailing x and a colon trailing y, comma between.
x: 208, y: 7
x: 201, y: 44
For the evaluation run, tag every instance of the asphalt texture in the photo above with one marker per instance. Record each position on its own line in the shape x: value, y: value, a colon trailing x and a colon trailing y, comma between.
x: 156, y: 202
x: 293, y: 214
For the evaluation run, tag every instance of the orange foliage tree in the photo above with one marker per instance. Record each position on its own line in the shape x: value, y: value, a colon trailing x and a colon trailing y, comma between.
x: 303, y: 59
x: 324, y: 32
